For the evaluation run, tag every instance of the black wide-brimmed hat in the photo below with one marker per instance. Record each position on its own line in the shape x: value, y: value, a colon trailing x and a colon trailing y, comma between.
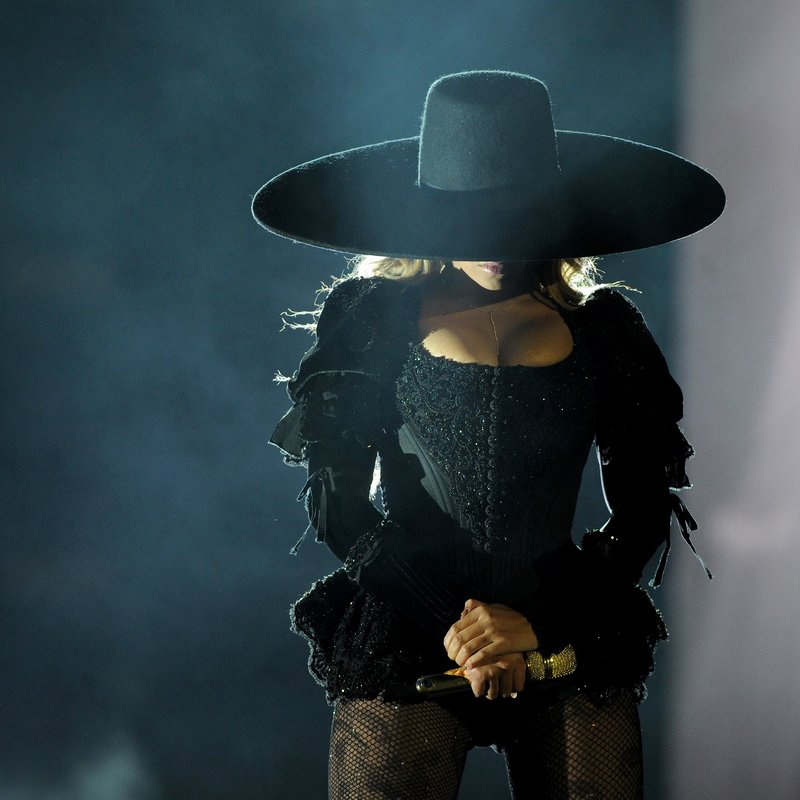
x: 489, y: 177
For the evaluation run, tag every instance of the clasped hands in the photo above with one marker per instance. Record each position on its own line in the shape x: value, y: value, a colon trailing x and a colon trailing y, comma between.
x: 489, y: 642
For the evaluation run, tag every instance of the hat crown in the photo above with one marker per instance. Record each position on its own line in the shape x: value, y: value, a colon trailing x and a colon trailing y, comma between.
x: 487, y: 130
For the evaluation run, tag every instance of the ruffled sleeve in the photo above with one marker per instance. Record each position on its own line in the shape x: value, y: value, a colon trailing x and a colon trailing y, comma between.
x: 641, y: 448
x: 337, y: 362
x: 341, y: 411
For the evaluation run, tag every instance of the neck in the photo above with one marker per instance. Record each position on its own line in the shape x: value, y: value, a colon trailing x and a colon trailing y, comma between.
x: 463, y: 288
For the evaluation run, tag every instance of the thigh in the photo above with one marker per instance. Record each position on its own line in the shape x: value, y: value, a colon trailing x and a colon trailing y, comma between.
x: 577, y: 749
x: 386, y: 750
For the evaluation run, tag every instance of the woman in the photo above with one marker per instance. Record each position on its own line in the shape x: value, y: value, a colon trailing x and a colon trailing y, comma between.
x: 475, y: 361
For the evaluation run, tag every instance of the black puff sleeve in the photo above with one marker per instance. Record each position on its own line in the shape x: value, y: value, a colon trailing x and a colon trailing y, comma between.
x: 642, y: 450
x: 642, y: 454
x: 341, y: 409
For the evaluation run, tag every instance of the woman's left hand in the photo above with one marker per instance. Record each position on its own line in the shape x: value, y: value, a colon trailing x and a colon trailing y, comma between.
x: 488, y: 630
x: 503, y: 676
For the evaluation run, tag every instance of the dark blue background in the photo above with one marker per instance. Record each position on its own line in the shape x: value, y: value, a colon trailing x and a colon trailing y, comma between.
x: 146, y: 523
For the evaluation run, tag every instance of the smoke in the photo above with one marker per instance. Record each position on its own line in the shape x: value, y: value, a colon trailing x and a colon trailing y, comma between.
x: 115, y: 772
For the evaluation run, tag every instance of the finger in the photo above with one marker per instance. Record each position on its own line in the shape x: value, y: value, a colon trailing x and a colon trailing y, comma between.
x: 493, y: 691
x: 470, y: 649
x: 506, y: 679
x: 491, y: 648
x: 463, y: 643
x: 471, y: 617
x: 477, y: 682
x: 467, y: 618
x: 472, y: 604
x: 452, y: 642
x: 456, y: 632
x: 477, y: 651
x: 448, y: 637
x: 457, y: 628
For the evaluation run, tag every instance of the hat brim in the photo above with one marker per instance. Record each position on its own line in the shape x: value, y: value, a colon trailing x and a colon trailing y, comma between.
x: 612, y: 195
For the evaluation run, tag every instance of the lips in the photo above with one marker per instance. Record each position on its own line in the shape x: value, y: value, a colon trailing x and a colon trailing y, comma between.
x: 492, y: 267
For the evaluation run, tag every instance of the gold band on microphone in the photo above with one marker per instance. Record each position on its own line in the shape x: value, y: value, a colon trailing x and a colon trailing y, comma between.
x: 557, y: 665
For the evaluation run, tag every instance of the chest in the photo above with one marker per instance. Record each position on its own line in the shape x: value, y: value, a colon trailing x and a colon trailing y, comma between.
x: 523, y: 332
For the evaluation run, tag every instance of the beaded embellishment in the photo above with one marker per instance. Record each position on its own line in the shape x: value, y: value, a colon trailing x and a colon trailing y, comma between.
x: 501, y: 434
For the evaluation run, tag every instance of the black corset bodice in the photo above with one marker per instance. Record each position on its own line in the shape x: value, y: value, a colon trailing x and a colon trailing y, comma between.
x: 511, y: 441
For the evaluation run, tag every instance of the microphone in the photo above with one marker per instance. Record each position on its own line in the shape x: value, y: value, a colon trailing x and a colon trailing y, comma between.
x: 442, y: 683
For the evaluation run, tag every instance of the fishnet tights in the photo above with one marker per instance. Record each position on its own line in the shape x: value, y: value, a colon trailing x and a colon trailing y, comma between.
x: 578, y: 750
x: 574, y: 750
x: 380, y: 750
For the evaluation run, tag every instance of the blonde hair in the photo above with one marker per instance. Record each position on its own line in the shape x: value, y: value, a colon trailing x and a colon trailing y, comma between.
x: 568, y: 282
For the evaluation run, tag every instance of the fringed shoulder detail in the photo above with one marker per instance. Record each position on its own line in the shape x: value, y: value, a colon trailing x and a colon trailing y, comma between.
x: 337, y: 390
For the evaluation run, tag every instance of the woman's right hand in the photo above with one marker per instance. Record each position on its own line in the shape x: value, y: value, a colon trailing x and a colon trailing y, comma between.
x: 503, y: 676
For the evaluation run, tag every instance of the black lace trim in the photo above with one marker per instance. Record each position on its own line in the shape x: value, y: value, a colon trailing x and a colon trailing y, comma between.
x: 621, y: 631
x: 359, y: 646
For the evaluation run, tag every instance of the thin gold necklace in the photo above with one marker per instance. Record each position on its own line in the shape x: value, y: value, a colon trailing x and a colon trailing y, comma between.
x: 490, y: 312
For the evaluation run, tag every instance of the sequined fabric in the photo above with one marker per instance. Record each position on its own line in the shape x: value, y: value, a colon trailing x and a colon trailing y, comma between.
x: 504, y: 436
x: 359, y: 645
